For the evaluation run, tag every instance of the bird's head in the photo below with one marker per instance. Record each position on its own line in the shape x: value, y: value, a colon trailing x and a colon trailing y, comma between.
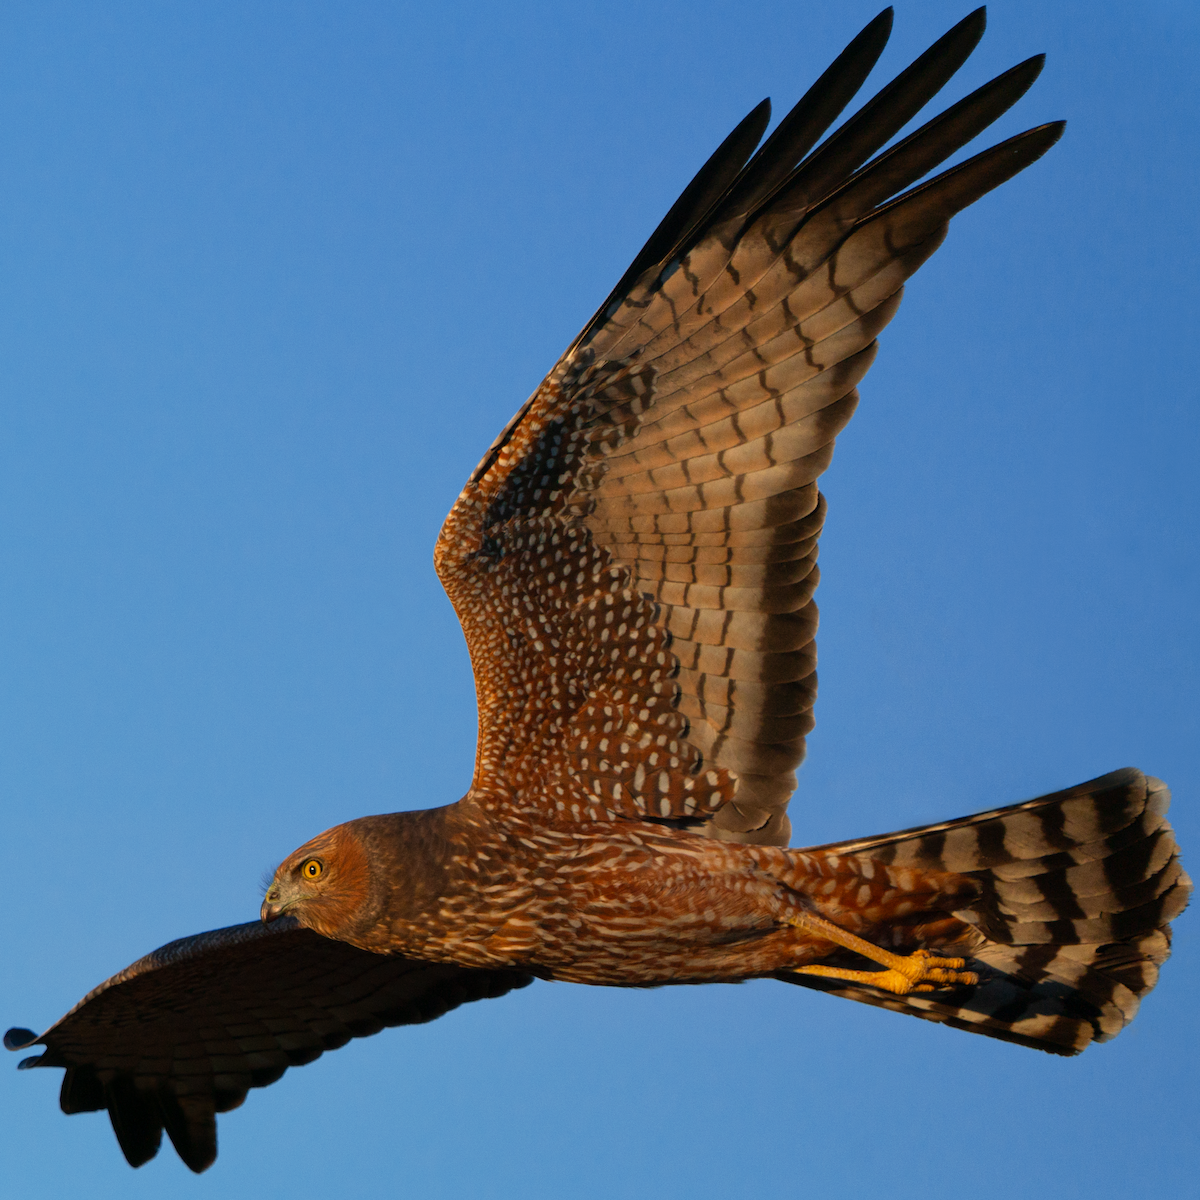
x: 325, y: 885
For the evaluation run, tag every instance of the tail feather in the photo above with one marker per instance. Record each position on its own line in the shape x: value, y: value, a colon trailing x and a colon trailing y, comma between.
x: 1077, y: 890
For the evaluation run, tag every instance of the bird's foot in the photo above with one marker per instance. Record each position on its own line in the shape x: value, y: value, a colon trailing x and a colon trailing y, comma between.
x: 920, y: 971
x: 916, y: 972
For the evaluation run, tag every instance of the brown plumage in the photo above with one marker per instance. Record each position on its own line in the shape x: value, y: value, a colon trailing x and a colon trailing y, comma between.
x: 633, y: 563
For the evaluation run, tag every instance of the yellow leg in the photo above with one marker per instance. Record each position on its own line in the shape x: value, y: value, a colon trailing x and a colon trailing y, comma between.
x: 916, y: 972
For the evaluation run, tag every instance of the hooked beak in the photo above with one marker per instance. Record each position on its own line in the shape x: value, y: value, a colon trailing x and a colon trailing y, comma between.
x: 273, y: 904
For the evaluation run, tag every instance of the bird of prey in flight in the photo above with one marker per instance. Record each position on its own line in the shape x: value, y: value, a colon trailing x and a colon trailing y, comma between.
x: 633, y: 563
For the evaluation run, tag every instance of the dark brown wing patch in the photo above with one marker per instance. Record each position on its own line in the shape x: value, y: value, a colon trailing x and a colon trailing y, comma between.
x: 575, y: 676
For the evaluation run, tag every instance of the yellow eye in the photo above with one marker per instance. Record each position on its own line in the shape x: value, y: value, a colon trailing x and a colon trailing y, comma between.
x: 311, y: 869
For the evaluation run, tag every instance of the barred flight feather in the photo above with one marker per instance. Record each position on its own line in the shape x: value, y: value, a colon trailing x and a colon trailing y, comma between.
x: 688, y: 425
x: 1078, y: 889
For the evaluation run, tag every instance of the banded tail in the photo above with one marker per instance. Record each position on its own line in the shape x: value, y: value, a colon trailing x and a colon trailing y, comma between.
x: 1073, y: 921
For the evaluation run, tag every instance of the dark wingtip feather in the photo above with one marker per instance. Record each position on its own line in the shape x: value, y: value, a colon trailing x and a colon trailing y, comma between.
x: 192, y: 1130
x: 1057, y: 127
x: 729, y: 177
x: 875, y: 32
x: 808, y: 120
x: 955, y: 189
x: 18, y: 1039
x: 81, y: 1091
x: 845, y: 150
x: 135, y: 1119
x: 935, y: 141
x: 1028, y: 147
x: 697, y: 200
x: 1021, y: 77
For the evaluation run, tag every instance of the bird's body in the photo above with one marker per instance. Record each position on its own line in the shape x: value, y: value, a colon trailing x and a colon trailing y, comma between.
x: 633, y: 906
x: 633, y: 563
x: 1065, y: 889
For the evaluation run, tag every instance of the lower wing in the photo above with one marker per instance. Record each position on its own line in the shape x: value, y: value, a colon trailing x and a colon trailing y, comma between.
x: 185, y: 1032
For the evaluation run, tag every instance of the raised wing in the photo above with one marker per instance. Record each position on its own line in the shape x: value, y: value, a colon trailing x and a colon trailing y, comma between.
x: 185, y: 1032
x: 633, y: 562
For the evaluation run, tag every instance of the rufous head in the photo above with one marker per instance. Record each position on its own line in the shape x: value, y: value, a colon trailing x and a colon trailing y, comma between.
x: 325, y: 885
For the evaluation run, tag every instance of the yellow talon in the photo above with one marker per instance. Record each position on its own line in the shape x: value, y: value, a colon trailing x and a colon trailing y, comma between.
x: 919, y: 971
x: 914, y: 973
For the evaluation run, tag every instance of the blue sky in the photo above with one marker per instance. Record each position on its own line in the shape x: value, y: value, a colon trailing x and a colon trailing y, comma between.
x: 272, y: 276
